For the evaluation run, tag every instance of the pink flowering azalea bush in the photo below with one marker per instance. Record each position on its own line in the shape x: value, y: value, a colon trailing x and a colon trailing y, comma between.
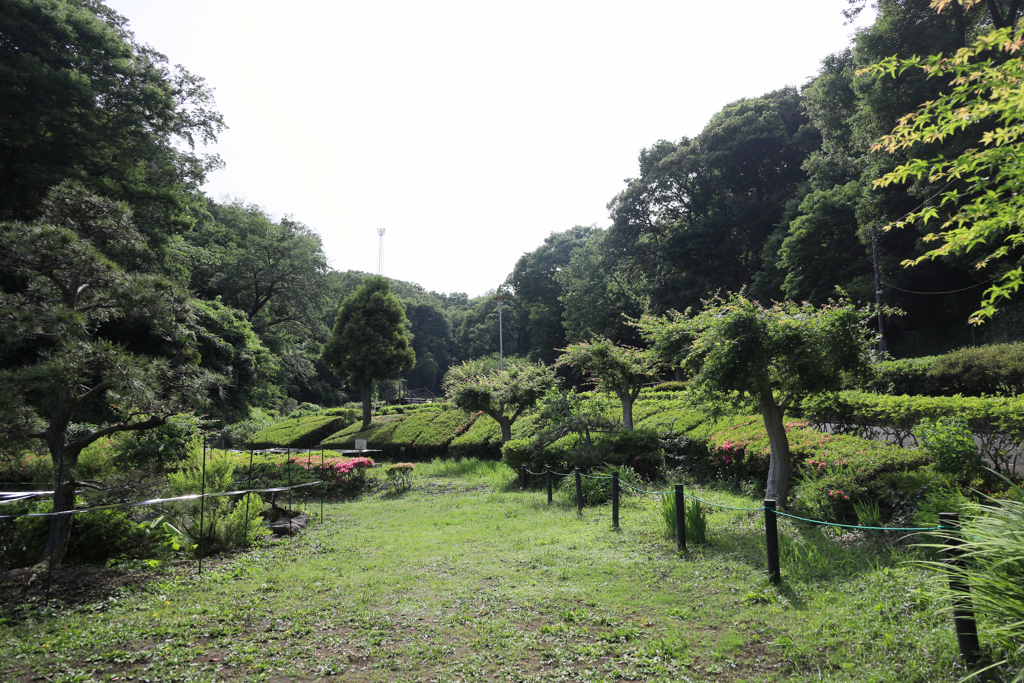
x: 831, y: 472
x: 342, y: 475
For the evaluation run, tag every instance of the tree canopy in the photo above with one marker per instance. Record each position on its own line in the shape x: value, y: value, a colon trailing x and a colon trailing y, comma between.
x: 504, y: 395
x: 78, y: 329
x: 621, y: 370
x: 774, y: 355
x: 370, y: 339
x: 979, y: 214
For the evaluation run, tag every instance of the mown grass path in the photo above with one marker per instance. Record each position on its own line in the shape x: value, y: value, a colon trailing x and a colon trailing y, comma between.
x: 465, y: 578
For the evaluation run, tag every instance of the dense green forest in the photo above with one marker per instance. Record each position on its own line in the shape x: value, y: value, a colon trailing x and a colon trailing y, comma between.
x: 774, y: 195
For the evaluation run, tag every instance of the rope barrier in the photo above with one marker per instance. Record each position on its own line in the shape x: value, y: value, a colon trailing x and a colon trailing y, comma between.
x: 154, y: 501
x: 541, y: 474
x: 758, y: 509
x: 653, y: 493
x: 724, y: 507
x: 854, y: 526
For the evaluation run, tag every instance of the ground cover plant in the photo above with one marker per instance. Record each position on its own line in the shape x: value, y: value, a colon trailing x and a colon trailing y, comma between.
x: 467, y: 577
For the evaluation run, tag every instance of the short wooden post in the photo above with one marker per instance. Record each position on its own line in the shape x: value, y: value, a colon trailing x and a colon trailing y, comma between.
x: 579, y: 491
x: 771, y: 533
x: 963, y: 613
x: 549, y: 485
x: 615, y: 499
x: 680, y: 517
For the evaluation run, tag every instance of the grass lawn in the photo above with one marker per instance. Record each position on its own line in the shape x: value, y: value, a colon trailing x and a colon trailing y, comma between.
x: 466, y: 578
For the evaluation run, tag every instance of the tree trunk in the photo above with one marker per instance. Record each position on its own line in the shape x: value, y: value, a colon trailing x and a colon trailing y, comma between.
x: 627, y: 410
x: 366, y: 406
x: 506, y: 429
x: 780, y: 467
x: 65, y: 464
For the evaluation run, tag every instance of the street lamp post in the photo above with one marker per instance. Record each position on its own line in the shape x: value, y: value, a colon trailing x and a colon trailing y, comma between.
x: 501, y: 341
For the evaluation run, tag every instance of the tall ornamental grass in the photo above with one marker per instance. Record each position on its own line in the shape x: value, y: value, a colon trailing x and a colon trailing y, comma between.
x: 992, y: 541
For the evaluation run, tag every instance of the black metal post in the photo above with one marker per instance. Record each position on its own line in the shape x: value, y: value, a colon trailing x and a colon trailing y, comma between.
x: 579, y: 491
x: 963, y: 613
x: 680, y: 517
x: 288, y: 466
x: 615, y: 499
x: 323, y: 486
x: 771, y: 533
x: 549, y: 485
x: 202, y: 509
x: 248, y: 485
x: 522, y: 476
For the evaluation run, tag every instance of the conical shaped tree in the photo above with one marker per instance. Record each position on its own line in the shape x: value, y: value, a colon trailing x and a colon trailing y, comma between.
x: 370, y: 339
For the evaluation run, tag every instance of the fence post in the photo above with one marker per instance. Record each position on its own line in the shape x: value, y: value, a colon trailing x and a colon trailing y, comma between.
x: 680, y: 517
x: 771, y: 533
x: 202, y: 509
x: 579, y: 491
x: 615, y: 499
x: 963, y: 613
x: 248, y: 485
x: 522, y: 477
x: 288, y: 466
x: 549, y: 486
x: 323, y: 486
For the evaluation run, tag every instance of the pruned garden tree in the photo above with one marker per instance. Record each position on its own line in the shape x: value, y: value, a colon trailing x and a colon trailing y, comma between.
x: 774, y: 355
x: 78, y: 331
x: 504, y: 395
x: 370, y: 340
x: 621, y: 370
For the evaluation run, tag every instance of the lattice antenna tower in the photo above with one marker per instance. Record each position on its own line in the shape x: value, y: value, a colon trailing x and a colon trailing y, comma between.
x: 380, y: 252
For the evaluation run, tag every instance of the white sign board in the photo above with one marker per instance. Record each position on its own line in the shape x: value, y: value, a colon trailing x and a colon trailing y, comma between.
x: 360, y: 444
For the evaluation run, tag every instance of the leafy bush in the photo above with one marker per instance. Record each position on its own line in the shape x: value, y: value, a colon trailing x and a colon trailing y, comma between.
x: 906, y: 376
x: 216, y: 523
x: 97, y: 538
x: 638, y: 449
x: 302, y: 432
x: 949, y: 443
x: 179, y: 439
x: 971, y: 371
x: 997, y: 422
x: 377, y: 434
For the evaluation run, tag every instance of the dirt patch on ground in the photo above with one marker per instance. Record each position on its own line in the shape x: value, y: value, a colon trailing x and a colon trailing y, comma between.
x: 66, y: 587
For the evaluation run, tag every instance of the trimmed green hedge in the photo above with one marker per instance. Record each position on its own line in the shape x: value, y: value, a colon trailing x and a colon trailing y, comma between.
x: 997, y: 423
x: 437, y: 430
x: 379, y: 432
x: 302, y: 432
x: 639, y: 449
x: 994, y: 370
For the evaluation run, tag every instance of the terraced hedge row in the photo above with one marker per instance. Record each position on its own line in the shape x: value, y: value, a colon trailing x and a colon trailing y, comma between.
x: 302, y: 432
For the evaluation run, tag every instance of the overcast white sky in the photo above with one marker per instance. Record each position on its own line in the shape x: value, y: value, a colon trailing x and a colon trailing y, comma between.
x: 469, y: 131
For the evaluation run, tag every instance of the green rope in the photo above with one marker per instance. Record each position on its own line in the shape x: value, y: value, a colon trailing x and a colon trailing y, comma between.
x: 653, y: 493
x: 541, y: 474
x: 854, y: 526
x: 724, y: 507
